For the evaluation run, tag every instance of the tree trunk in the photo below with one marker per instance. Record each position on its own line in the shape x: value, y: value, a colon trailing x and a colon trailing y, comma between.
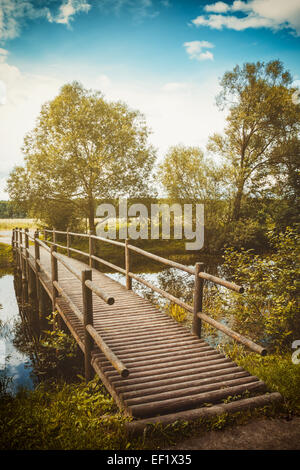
x: 237, y: 202
x: 91, y: 215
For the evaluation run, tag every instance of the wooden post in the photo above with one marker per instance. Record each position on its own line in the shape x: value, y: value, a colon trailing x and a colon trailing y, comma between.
x: 20, y: 249
x: 44, y: 233
x: 54, y: 236
x: 37, y: 269
x: 68, y: 243
x: 36, y: 250
x: 127, y: 266
x: 54, y: 275
x: 198, y: 299
x: 91, y: 250
x: 88, y: 320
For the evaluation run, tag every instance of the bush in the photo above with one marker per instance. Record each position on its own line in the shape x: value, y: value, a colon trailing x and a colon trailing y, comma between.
x: 268, y: 310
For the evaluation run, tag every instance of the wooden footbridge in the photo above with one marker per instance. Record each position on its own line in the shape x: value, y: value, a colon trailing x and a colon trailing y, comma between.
x: 153, y: 367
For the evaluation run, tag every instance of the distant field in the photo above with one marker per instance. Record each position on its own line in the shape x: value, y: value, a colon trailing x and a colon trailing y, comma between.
x: 8, y: 224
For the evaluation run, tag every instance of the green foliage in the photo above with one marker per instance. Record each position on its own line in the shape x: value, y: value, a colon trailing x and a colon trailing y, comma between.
x: 268, y: 310
x: 277, y: 371
x: 9, y: 210
x: 83, y: 148
x: 63, y: 416
x: 6, y: 256
x: 56, y: 355
x: 261, y: 135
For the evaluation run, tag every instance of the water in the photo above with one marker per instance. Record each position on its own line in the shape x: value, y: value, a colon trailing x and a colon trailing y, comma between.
x: 13, y: 363
x: 17, y: 365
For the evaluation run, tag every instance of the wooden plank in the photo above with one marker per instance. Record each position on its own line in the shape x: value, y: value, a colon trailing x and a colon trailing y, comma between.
x: 184, y: 403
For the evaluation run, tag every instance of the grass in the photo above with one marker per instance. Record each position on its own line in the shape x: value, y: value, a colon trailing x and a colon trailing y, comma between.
x: 9, y: 224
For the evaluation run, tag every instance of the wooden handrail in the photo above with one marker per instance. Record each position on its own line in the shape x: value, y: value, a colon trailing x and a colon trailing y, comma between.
x: 198, y: 292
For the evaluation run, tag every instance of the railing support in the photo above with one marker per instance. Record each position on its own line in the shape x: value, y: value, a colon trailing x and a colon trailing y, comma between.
x: 91, y: 250
x: 127, y: 266
x: 87, y: 299
x: 68, y: 243
x: 198, y: 299
x: 54, y: 275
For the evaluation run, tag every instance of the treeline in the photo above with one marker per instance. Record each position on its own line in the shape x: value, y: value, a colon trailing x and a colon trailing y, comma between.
x: 9, y: 210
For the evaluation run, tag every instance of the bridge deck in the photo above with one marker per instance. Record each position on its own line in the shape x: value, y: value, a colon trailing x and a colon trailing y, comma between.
x: 171, y: 370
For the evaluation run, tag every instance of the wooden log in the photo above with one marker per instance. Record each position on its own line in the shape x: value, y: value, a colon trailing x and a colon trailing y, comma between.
x: 183, y: 403
x: 242, y: 339
x: 156, y: 347
x: 135, y: 428
x: 111, y: 356
x: 172, y: 351
x: 164, y: 363
x: 88, y: 320
x: 198, y: 298
x: 160, y: 337
x: 190, y: 391
x: 100, y: 292
x: 92, y: 261
x: 167, y: 374
x: 127, y: 266
x: 54, y: 276
x: 178, y: 380
x: 168, y: 364
x: 68, y: 243
x: 165, y: 369
x: 110, y: 265
x: 69, y: 301
x: 162, y: 292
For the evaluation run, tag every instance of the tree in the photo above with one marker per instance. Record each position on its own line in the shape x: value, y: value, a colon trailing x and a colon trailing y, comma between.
x: 261, y: 124
x: 82, y: 149
x: 187, y: 175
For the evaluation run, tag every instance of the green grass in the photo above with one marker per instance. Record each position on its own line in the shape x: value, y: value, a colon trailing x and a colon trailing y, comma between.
x: 9, y: 224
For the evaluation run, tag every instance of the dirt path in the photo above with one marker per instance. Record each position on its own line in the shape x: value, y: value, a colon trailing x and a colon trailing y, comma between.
x: 262, y: 434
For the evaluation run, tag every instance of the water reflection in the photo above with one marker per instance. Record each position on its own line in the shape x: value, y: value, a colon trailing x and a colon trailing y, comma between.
x: 17, y: 332
x: 15, y: 364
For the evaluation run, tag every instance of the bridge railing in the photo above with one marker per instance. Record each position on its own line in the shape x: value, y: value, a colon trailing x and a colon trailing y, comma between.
x: 88, y: 287
x: 198, y: 272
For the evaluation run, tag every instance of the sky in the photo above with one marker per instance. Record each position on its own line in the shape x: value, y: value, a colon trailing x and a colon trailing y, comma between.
x: 162, y: 57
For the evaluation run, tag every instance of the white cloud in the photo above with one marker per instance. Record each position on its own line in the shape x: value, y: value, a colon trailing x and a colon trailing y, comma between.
x: 218, y: 7
x: 14, y: 13
x: 68, y: 9
x: 195, y: 50
x: 273, y: 14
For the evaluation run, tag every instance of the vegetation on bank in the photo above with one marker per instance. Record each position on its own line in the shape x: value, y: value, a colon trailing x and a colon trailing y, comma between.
x: 65, y: 413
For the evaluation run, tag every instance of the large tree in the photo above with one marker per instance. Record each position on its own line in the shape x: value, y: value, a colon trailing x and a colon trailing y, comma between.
x: 82, y: 149
x: 262, y: 126
x: 187, y: 175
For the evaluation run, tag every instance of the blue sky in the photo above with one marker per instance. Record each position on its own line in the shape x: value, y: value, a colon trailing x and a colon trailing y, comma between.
x: 163, y: 57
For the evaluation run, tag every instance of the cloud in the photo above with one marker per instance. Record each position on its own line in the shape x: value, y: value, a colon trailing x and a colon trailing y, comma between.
x: 195, y: 50
x: 68, y: 9
x: 15, y: 13
x: 272, y: 14
x: 219, y: 7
